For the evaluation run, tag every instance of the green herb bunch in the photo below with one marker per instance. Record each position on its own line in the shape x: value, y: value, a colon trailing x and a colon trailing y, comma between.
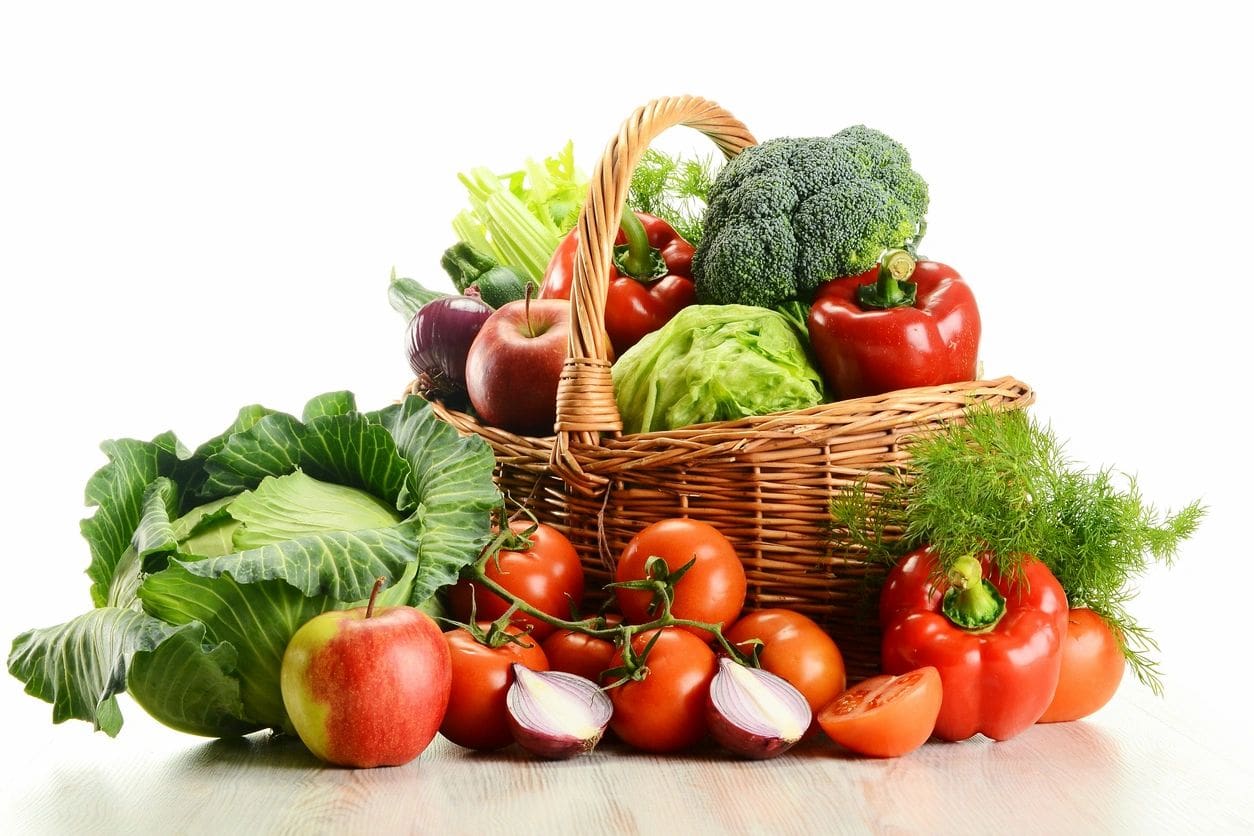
x: 1001, y: 482
x: 674, y: 189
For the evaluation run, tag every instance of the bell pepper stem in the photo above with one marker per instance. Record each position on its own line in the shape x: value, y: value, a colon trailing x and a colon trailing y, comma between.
x: 892, y: 288
x: 637, y: 258
x: 972, y: 602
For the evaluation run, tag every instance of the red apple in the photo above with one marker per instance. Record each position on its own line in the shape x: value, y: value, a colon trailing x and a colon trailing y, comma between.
x: 365, y: 687
x: 515, y: 363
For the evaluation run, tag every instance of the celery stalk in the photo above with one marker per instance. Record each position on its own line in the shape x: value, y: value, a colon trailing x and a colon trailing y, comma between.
x: 520, y: 217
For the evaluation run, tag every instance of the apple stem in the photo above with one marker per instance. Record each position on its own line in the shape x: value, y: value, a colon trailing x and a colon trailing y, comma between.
x: 374, y: 593
x: 531, y: 331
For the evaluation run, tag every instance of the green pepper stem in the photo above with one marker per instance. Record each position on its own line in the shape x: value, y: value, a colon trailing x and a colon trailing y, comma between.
x: 972, y: 603
x: 639, y: 256
x: 892, y: 288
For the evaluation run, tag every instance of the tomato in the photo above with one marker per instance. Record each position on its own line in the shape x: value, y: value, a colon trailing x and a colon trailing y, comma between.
x: 548, y: 576
x: 579, y: 653
x: 1092, y: 667
x: 476, y: 716
x: 713, y: 590
x: 796, y: 649
x: 665, y: 711
x: 885, y: 716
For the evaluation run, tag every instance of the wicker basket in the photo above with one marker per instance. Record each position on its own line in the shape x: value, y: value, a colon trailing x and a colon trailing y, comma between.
x: 765, y: 481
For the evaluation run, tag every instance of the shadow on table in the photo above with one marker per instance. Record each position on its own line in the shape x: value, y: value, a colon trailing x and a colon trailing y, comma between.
x: 274, y: 751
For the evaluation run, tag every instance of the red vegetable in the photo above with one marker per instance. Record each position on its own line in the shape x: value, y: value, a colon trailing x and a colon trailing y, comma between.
x: 665, y: 710
x: 795, y: 648
x: 578, y: 653
x: 885, y: 716
x: 542, y: 569
x: 886, y: 330
x: 1092, y: 667
x: 995, y: 639
x: 650, y: 282
x: 477, y: 716
x: 711, y: 590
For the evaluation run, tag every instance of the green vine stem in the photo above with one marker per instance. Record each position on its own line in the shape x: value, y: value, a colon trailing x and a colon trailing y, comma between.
x: 621, y: 633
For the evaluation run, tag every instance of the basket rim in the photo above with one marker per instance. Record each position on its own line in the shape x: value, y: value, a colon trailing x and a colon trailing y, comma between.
x: 904, y: 401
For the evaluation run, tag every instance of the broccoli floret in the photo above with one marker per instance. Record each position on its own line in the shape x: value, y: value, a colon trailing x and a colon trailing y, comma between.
x: 789, y: 214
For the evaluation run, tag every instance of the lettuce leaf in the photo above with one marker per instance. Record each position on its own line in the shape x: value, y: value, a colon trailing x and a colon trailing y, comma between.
x: 714, y: 363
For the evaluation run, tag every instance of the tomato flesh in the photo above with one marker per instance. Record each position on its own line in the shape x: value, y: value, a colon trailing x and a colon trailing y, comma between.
x: 885, y: 716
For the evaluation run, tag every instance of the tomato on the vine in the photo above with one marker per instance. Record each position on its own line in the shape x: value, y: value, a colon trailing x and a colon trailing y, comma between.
x: 664, y: 711
x: 1092, y: 667
x: 712, y: 590
x: 578, y: 653
x: 885, y: 716
x: 477, y: 717
x: 794, y: 648
x: 547, y: 575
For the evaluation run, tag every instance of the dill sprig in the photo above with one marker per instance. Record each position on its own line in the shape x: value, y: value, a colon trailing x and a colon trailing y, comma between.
x: 674, y: 189
x: 1001, y: 482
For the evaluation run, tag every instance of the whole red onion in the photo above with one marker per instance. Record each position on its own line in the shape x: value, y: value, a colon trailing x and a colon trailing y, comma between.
x: 440, y: 335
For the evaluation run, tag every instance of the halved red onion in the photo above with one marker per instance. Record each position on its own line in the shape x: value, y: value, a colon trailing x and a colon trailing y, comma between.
x: 755, y: 713
x: 554, y: 714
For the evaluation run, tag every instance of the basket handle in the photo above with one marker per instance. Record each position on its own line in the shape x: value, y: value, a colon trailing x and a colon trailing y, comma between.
x: 585, y: 394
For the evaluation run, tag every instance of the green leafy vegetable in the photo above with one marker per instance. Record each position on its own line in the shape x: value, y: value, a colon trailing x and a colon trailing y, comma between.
x: 714, y: 363
x: 674, y: 189
x: 1003, y: 482
x: 204, y: 564
x: 520, y: 217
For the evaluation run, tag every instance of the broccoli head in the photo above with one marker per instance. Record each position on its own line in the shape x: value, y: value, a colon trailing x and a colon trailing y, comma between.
x: 789, y: 214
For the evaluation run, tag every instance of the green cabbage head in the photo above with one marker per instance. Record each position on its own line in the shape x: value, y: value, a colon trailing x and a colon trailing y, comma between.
x: 204, y: 563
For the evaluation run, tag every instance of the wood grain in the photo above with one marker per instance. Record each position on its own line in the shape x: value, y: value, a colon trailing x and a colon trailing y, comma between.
x: 1130, y: 769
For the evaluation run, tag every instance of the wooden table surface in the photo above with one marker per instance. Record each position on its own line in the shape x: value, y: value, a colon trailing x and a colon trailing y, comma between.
x: 1137, y: 766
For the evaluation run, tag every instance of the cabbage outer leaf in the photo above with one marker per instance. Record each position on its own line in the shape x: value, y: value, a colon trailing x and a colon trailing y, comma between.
x: 197, y: 632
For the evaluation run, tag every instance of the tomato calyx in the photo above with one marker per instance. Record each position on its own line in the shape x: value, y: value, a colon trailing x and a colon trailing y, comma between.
x: 634, y: 667
x: 506, y: 538
x: 497, y: 633
x: 660, y: 580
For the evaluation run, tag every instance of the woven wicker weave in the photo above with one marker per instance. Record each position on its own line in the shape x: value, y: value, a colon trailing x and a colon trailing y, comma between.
x: 765, y: 482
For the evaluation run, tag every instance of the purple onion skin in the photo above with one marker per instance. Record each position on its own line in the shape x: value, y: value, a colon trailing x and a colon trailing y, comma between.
x: 739, y: 742
x: 525, y: 718
x: 552, y: 747
x: 752, y: 740
x: 440, y: 335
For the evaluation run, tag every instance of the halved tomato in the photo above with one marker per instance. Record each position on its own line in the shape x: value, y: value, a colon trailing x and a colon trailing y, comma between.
x: 885, y: 716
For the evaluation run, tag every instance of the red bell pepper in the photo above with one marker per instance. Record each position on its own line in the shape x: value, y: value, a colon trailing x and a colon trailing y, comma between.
x: 650, y: 282
x: 995, y: 639
x: 899, y: 325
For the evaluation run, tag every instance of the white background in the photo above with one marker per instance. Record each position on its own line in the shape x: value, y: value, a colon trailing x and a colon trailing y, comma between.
x: 200, y: 206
